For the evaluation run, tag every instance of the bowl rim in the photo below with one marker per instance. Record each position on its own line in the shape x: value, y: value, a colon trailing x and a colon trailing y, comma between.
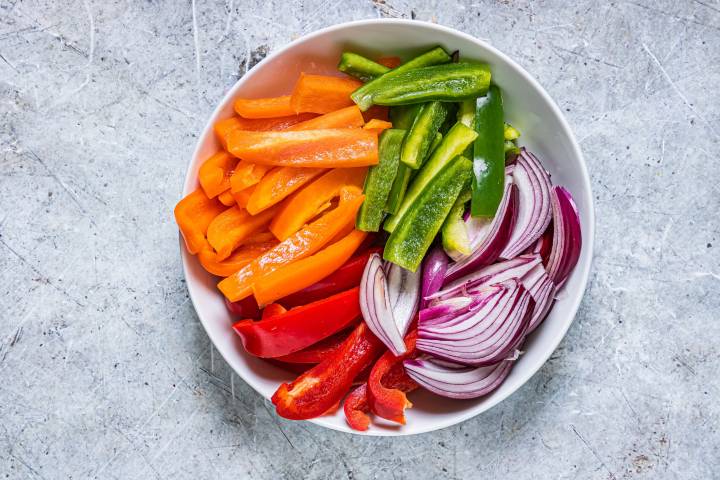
x: 588, y: 236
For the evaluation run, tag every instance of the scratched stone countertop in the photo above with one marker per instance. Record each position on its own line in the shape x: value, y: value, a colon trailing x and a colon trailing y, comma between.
x: 105, y: 371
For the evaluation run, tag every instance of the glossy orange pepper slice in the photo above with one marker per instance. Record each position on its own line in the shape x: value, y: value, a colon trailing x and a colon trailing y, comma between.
x: 336, y: 147
x: 193, y: 214
x: 278, y: 184
x: 377, y: 126
x: 264, y: 107
x: 226, y: 198
x: 238, y: 259
x: 243, y: 196
x: 234, y: 227
x: 348, y: 117
x: 309, y: 201
x: 247, y: 174
x: 322, y: 93
x: 223, y: 127
x: 303, y: 273
x: 300, y: 245
x: 214, y: 174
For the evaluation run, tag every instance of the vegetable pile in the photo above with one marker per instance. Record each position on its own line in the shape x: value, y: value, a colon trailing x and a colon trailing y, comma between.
x: 381, y: 229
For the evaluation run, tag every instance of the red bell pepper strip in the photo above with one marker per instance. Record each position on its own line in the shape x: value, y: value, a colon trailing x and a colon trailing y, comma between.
x: 356, y: 405
x: 298, y: 368
x: 389, y: 402
x: 245, y: 308
x: 272, y: 310
x: 300, y: 327
x: 321, y: 387
x: 345, y: 277
x: 318, y: 352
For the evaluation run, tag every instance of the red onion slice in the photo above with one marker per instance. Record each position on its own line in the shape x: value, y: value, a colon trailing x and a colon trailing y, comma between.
x: 567, y: 236
x: 433, y: 272
x: 486, y: 333
x: 534, y: 210
x: 388, y: 302
x: 490, y: 239
x: 457, y: 381
x: 542, y: 290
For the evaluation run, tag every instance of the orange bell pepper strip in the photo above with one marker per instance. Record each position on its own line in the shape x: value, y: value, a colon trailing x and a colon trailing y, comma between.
x: 193, y: 214
x: 303, y: 273
x: 226, y: 198
x: 348, y: 117
x: 214, y: 174
x: 322, y: 93
x: 278, y: 184
x: 384, y: 401
x: 390, y: 62
x: 234, y: 227
x: 243, y: 196
x: 223, y: 127
x: 324, y: 148
x: 308, y: 202
x: 321, y: 387
x: 300, y: 245
x: 238, y: 259
x: 264, y: 107
x: 377, y: 126
x: 247, y: 174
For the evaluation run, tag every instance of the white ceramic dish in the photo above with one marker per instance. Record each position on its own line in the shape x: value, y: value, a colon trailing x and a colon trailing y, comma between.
x: 528, y: 107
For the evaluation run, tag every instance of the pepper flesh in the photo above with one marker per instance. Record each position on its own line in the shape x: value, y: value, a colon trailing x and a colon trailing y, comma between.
x: 322, y: 93
x: 301, y: 274
x: 193, y: 215
x: 345, y: 277
x: 321, y: 387
x: 308, y: 202
x: 226, y: 198
x: 222, y: 127
x: 234, y: 227
x: 272, y: 310
x: 334, y: 147
x: 377, y: 125
x: 422, y: 133
x: 316, y: 352
x: 300, y: 327
x: 264, y: 107
x: 360, y: 67
x: 238, y: 259
x: 214, y: 173
x: 386, y: 401
x: 301, y: 244
x: 488, y: 155
x: 247, y: 174
x: 348, y: 117
x: 278, y: 184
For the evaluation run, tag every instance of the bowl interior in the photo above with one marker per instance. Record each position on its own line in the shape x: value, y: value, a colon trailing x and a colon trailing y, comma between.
x: 527, y: 106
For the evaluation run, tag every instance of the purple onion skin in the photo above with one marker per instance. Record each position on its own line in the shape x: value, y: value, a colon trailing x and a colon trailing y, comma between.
x: 565, y: 214
x: 433, y: 276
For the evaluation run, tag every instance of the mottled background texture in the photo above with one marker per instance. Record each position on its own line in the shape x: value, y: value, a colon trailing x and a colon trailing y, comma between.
x: 105, y: 371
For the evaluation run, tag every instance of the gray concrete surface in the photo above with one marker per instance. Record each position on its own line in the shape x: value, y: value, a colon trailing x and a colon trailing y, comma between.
x: 105, y: 371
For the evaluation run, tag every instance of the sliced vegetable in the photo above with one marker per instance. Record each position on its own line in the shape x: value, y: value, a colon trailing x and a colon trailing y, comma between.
x: 567, y: 237
x: 449, y: 82
x: 245, y: 308
x: 466, y: 112
x: 237, y: 259
x: 222, y: 127
x: 542, y: 289
x: 278, y: 184
x: 322, y: 93
x: 348, y: 117
x: 314, y: 198
x: 316, y: 352
x: 452, y: 145
x: 301, y: 244
x: 488, y: 154
x: 488, y: 237
x: 377, y: 126
x: 246, y: 174
x: 379, y: 181
x: 264, y: 107
x: 226, y: 198
x: 422, y: 220
x: 273, y: 310
x: 510, y: 132
x: 389, y: 302
x: 214, y: 174
x: 340, y: 147
x: 321, y: 387
x: 301, y: 274
x: 389, y: 403
x: 193, y: 215
x: 377, y: 112
x: 482, y: 333
x: 360, y: 67
x: 457, y: 381
x: 422, y: 133
x: 300, y: 327
x: 390, y: 62
x: 234, y: 227
x: 534, y: 206
x: 455, y: 238
x: 403, y: 116
x: 243, y: 196
x: 363, y: 95
x: 398, y: 188
x: 433, y: 273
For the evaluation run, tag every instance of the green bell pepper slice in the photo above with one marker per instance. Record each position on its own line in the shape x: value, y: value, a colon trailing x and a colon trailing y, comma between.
x: 409, y: 242
x: 488, y: 155
x: 421, y: 134
x: 360, y: 67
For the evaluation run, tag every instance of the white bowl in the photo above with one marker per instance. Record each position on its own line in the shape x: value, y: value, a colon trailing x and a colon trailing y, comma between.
x: 527, y: 106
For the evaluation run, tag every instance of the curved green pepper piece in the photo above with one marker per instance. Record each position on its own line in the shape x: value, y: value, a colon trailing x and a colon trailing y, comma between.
x: 422, y: 133
x: 488, y: 155
x: 360, y: 67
